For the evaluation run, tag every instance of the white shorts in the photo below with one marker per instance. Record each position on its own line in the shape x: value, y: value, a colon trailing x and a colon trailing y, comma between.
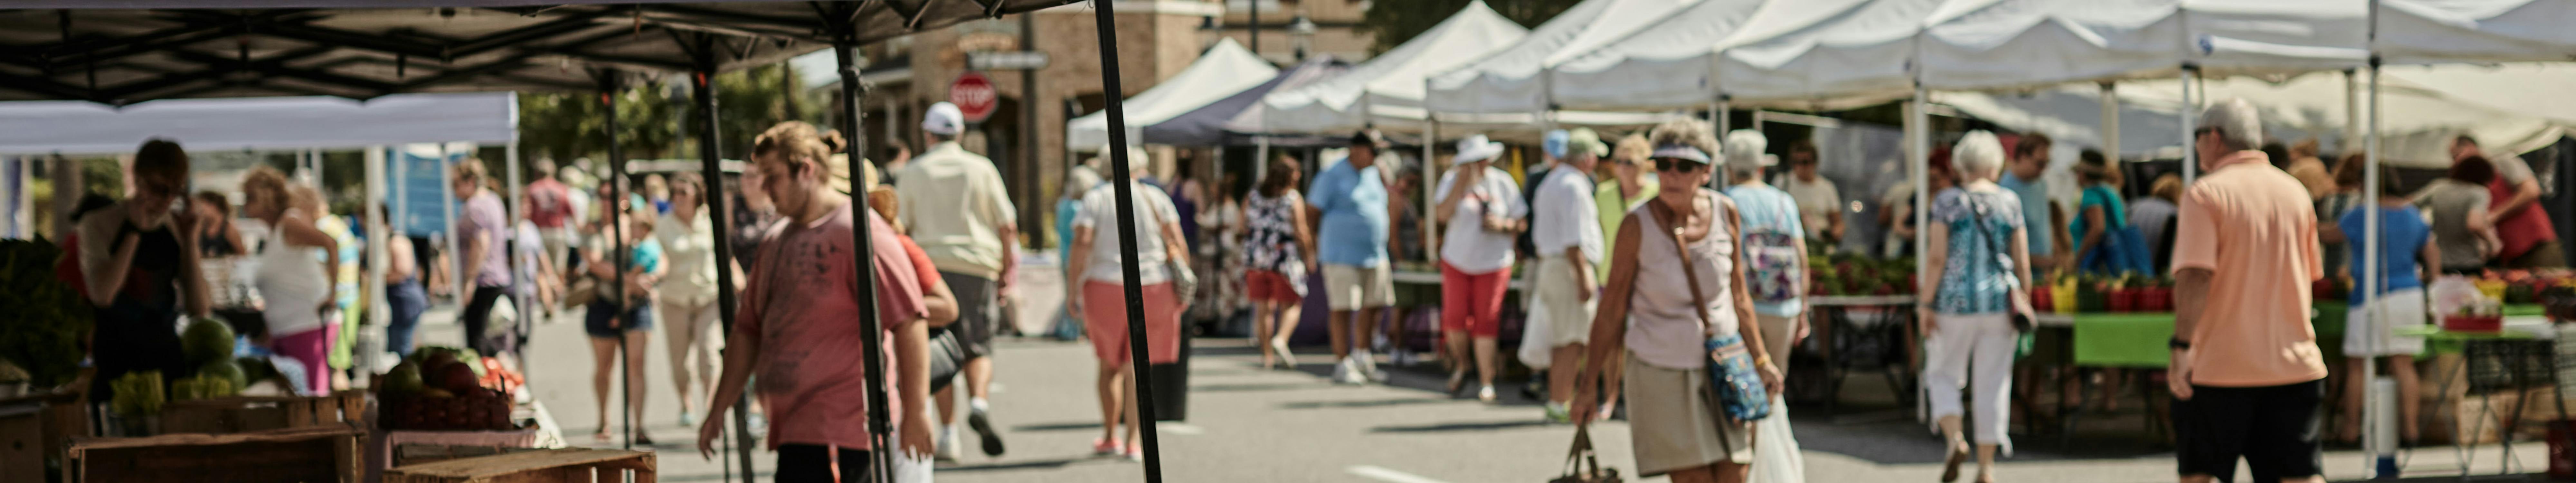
x: 1569, y: 318
x: 1349, y: 287
x: 2370, y: 330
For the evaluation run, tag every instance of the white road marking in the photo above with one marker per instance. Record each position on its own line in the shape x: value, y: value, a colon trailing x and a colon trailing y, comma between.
x: 1178, y: 428
x: 1387, y: 475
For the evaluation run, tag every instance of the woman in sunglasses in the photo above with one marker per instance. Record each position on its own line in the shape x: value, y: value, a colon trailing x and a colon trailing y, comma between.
x: 1678, y: 290
x: 139, y: 258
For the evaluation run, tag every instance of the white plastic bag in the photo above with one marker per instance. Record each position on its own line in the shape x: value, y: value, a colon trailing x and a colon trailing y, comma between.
x: 1535, y: 334
x: 910, y: 468
x: 2450, y: 294
x: 1775, y: 450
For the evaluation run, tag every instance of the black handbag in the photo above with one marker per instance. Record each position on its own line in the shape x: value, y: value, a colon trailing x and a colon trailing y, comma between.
x: 947, y: 357
x: 1582, y: 466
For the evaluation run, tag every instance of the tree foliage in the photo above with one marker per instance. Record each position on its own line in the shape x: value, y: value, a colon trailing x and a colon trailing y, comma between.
x: 1393, y: 23
x: 659, y: 119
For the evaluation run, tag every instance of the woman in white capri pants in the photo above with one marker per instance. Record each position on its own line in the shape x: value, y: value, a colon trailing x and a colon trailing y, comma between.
x: 1977, y: 242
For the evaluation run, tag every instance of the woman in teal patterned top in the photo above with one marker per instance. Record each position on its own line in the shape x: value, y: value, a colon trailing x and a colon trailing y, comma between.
x: 1978, y: 241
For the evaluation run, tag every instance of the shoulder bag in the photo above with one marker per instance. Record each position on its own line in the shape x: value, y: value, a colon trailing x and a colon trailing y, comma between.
x: 1737, y: 384
x: 2018, y: 308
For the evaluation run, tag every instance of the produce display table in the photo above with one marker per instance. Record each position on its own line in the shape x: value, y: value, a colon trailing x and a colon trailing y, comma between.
x: 1846, y: 345
x: 2499, y: 361
x: 2136, y: 340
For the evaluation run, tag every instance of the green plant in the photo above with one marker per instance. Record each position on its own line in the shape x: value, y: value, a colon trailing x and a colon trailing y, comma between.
x: 48, y: 317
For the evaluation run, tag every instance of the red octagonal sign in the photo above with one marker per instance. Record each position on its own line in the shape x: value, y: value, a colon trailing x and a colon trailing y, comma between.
x: 973, y: 94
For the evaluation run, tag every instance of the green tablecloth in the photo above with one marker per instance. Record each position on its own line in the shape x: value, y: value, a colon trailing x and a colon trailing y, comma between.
x: 2137, y: 339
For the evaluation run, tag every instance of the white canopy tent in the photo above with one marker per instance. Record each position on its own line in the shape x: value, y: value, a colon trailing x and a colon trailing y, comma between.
x: 2450, y: 31
x: 2417, y: 133
x: 82, y: 127
x: 1387, y: 91
x: 1513, y: 80
x: 1659, y: 66
x: 1222, y: 71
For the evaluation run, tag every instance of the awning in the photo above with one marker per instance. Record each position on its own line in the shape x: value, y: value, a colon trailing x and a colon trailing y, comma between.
x: 1205, y: 126
x: 127, y: 51
x: 1513, y: 80
x: 1224, y: 70
x: 82, y: 127
x: 1386, y: 91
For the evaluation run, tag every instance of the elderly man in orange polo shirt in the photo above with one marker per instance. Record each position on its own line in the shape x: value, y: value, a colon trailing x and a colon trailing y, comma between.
x: 2245, y: 371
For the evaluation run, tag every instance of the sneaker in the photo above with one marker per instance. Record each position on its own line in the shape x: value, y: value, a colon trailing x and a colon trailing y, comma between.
x: 1106, y: 448
x: 1366, y: 365
x: 1287, y: 359
x: 982, y: 423
x: 1136, y: 454
x: 687, y: 419
x: 1346, y: 372
x: 1486, y: 394
x: 947, y: 447
x: 1556, y: 413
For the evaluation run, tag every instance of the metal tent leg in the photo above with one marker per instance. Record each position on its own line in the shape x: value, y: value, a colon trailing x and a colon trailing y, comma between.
x: 703, y: 93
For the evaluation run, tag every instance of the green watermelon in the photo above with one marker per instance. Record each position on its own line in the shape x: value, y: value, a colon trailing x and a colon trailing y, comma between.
x: 256, y: 369
x: 206, y: 340
x: 226, y: 370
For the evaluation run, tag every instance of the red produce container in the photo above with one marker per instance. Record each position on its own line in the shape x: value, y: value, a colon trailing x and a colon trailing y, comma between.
x: 2124, y: 300
x: 2562, y: 450
x: 2040, y: 300
x: 2465, y: 323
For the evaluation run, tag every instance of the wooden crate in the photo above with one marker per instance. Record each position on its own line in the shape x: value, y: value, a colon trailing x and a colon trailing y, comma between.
x: 314, y: 454
x: 258, y: 413
x: 538, y: 466
x: 35, y: 429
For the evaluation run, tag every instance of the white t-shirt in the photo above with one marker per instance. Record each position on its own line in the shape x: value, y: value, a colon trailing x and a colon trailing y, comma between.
x: 1100, y: 213
x: 1815, y: 201
x: 1565, y: 216
x: 1466, y: 244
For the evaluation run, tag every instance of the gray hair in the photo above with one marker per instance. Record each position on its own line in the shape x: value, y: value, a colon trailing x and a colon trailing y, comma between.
x: 1977, y: 156
x: 2235, y: 122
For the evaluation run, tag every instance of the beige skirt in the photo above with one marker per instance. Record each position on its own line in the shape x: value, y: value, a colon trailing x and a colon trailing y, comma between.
x: 1675, y: 426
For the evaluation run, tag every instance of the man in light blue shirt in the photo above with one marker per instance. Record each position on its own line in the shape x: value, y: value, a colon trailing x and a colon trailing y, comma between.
x: 1348, y: 200
x: 2029, y: 160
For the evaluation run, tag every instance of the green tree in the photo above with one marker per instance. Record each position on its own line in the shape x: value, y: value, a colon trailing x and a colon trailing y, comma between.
x: 571, y: 124
x: 1393, y: 23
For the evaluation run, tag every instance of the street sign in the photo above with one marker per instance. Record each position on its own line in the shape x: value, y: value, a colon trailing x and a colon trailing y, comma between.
x: 1008, y: 60
x: 974, y: 96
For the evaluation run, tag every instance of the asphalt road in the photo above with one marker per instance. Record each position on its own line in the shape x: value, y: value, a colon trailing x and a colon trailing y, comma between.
x: 1247, y: 425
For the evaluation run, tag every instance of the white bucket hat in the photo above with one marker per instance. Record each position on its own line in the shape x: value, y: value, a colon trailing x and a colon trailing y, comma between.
x: 1476, y: 148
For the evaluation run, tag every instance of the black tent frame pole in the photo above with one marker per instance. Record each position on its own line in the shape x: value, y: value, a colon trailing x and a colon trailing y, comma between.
x: 1122, y: 181
x: 845, y: 41
x: 709, y: 153
x: 609, y: 87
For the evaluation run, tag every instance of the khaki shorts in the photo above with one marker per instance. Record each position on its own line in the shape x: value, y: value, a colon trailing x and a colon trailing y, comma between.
x: 1568, y: 317
x: 1349, y: 287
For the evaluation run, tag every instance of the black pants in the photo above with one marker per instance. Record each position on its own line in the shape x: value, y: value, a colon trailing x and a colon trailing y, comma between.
x: 479, y: 333
x: 806, y: 463
x: 2273, y: 428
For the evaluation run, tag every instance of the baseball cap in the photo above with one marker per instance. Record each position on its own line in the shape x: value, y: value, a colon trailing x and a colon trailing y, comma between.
x: 1583, y: 140
x: 1555, y: 142
x: 943, y: 119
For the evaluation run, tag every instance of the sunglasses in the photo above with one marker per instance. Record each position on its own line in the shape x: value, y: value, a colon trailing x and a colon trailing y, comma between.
x: 1670, y: 165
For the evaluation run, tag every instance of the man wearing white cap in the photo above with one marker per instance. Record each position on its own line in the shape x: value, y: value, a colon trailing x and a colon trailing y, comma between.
x: 1483, y: 210
x: 958, y: 211
x: 1566, y: 228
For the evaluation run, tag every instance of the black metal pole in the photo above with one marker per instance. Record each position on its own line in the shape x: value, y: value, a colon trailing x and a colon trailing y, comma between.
x: 880, y: 428
x: 609, y: 86
x: 1122, y: 181
x: 709, y: 154
x: 1028, y: 185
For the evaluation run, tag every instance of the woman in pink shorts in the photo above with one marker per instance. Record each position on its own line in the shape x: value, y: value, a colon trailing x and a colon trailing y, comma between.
x: 1101, y: 298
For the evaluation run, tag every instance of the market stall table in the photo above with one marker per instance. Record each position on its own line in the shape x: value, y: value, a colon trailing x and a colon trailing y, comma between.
x: 2493, y: 361
x: 1884, y: 345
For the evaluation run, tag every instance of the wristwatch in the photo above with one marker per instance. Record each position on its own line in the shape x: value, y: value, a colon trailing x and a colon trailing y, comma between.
x: 2178, y: 344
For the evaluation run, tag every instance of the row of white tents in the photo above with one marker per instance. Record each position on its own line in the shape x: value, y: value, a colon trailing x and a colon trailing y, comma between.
x: 2085, y: 71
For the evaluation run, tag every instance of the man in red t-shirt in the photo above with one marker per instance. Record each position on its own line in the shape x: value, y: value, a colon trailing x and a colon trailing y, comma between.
x: 549, y: 205
x: 2530, y: 241
x: 796, y: 331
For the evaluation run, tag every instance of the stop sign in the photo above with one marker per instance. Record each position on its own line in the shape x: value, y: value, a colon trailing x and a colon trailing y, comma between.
x: 974, y: 96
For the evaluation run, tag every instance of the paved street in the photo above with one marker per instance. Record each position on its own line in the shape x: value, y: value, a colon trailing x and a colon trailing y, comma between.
x: 1248, y: 425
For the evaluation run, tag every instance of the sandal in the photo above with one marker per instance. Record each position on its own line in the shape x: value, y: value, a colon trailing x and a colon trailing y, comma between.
x: 1950, y: 467
x: 1457, y: 382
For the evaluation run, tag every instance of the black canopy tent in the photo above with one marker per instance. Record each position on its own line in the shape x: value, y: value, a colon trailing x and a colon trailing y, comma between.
x: 128, y: 51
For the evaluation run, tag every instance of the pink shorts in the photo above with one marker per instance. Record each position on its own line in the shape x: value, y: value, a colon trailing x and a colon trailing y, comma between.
x: 1471, y: 303
x: 1104, y: 315
x: 1269, y: 286
x: 313, y: 348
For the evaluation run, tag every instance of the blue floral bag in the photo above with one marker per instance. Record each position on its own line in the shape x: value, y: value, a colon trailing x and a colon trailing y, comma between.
x: 1738, y: 386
